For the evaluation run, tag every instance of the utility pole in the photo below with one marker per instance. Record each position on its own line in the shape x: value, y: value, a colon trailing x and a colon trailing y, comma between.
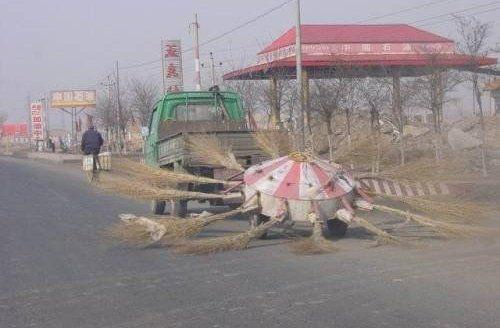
x: 298, y: 64
x: 162, y: 66
x: 212, y: 64
x: 119, y: 107
x: 109, y: 85
x: 197, y: 74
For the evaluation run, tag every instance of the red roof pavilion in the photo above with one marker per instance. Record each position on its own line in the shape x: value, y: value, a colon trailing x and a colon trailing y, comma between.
x: 358, y: 50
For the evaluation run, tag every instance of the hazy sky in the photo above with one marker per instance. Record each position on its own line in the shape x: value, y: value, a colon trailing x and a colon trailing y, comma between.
x: 46, y: 45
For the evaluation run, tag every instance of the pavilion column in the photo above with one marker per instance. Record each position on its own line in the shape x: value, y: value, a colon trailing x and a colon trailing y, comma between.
x: 275, y: 118
x: 397, y: 109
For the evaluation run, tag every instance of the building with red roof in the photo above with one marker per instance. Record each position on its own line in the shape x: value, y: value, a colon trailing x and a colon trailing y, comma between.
x: 382, y: 50
x: 17, y: 132
x: 359, y: 50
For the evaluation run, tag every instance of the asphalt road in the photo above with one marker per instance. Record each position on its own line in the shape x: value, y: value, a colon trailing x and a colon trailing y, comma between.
x: 55, y: 271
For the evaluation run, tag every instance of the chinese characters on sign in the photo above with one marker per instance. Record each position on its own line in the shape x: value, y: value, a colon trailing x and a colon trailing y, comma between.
x: 319, y: 49
x: 172, y: 65
x: 73, y: 98
x: 36, y: 121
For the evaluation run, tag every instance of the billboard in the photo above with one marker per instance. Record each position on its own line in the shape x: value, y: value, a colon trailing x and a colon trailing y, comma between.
x: 36, y: 121
x: 171, y: 55
x: 73, y: 99
x: 14, y: 130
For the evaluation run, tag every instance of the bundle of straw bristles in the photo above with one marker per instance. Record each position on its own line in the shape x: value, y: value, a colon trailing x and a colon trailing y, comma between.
x: 141, y: 181
x: 164, y: 230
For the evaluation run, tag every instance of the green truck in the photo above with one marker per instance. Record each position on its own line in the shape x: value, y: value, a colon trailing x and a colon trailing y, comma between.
x: 177, y: 116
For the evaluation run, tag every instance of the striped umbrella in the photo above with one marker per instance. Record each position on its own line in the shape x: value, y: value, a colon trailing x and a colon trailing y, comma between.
x: 299, y: 178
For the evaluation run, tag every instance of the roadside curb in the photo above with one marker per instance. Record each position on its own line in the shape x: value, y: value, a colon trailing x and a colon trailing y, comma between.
x: 54, y: 158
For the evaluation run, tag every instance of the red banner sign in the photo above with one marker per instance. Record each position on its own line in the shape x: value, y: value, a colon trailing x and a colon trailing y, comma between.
x: 172, y: 65
x: 358, y: 49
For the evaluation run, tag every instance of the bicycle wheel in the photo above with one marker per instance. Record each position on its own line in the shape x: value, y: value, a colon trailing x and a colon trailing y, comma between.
x: 90, y: 176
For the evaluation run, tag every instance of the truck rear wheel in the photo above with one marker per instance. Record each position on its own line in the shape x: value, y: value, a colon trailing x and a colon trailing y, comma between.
x: 179, y: 208
x: 157, y: 207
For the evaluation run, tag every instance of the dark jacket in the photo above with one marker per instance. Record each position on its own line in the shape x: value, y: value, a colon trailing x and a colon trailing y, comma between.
x: 91, y: 141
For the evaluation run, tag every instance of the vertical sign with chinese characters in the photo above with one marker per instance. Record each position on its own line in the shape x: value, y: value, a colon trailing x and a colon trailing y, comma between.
x: 171, y: 55
x: 36, y: 121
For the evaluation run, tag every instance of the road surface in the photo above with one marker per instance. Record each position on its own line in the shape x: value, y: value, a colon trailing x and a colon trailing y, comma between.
x: 57, y: 272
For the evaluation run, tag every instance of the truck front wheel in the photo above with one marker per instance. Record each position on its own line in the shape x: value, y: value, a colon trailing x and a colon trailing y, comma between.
x: 158, y: 207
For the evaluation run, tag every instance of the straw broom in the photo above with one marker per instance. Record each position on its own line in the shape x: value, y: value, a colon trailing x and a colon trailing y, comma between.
x: 191, y: 227
x: 132, y: 230
x: 445, y: 209
x: 141, y: 190
x: 382, y: 236
x: 211, y: 151
x: 273, y: 143
x: 315, y: 244
x: 442, y: 228
x: 427, y: 169
x: 159, y: 175
x: 219, y: 244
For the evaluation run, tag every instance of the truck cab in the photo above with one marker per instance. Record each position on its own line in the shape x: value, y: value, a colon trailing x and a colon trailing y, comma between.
x: 190, y: 112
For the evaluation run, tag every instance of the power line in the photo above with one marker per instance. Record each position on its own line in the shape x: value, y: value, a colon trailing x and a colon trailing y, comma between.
x: 453, y: 18
x: 217, y: 37
x: 428, y: 4
x: 455, y: 12
x: 267, y: 12
x: 141, y: 64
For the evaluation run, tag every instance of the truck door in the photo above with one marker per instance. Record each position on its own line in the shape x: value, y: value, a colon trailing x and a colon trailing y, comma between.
x: 151, y: 151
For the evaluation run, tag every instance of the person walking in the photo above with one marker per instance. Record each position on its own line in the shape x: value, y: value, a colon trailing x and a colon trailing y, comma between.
x: 91, y: 144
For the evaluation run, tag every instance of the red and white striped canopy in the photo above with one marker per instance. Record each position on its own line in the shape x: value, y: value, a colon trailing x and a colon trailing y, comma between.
x: 290, y: 178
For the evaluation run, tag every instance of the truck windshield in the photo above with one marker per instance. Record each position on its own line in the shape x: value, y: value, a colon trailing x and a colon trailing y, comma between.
x: 198, y: 112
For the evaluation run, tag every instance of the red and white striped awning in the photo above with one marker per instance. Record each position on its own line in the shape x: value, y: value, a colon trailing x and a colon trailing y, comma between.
x: 292, y: 178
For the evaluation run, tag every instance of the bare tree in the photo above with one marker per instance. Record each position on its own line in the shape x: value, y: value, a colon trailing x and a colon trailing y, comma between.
x: 376, y: 94
x: 107, y: 117
x: 142, y: 97
x: 272, y: 99
x: 250, y: 93
x: 3, y: 118
x: 328, y: 99
x: 473, y: 42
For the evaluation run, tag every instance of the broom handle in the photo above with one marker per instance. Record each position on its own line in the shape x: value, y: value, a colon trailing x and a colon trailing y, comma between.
x: 449, y: 228
x: 373, y: 229
x: 247, y: 206
x: 263, y: 227
x: 222, y: 216
x: 415, y: 217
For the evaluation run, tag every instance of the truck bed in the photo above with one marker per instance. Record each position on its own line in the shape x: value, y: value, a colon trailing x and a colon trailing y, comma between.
x: 173, y: 148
